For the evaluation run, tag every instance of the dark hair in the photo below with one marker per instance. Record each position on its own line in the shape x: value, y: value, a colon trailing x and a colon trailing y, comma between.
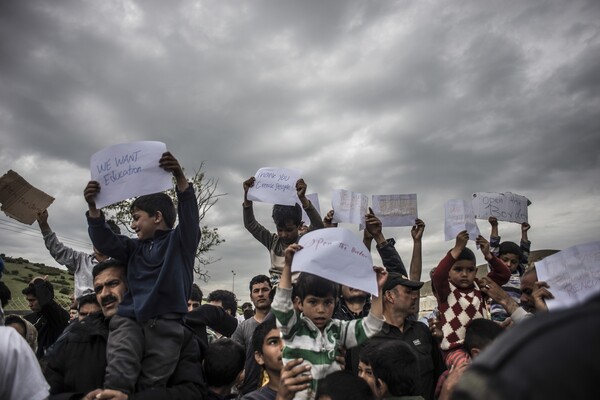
x: 282, y: 214
x: 313, y: 285
x: 88, y: 297
x: 261, y: 332
x: 223, y: 362
x: 196, y: 294
x: 343, y: 385
x: 155, y: 202
x: 509, y: 247
x: 395, y: 363
x: 366, y: 352
x: 481, y: 332
x: 111, y: 262
x: 5, y: 294
x: 259, y: 279
x: 226, y: 298
x: 31, y: 289
x: 467, y: 254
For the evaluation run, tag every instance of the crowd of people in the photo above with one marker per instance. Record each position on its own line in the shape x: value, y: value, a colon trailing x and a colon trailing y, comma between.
x: 141, y: 329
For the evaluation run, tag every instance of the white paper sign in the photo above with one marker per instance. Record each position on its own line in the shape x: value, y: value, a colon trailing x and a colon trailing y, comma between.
x: 506, y: 206
x: 275, y: 186
x: 459, y: 217
x: 314, y: 199
x: 128, y: 170
x: 349, y: 207
x: 395, y: 209
x: 572, y: 274
x: 338, y: 255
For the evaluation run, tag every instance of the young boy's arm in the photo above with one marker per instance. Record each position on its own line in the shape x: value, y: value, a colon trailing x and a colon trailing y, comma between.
x: 313, y: 215
x: 416, y: 262
x: 187, y: 205
x: 259, y: 232
x: 499, y: 273
x: 494, y: 237
x: 282, y: 306
x: 440, y: 275
x: 103, y: 238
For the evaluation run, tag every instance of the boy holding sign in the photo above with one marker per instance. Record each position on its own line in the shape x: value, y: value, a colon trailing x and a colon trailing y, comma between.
x: 287, y: 219
x: 147, y: 332
x: 459, y: 298
x: 312, y: 334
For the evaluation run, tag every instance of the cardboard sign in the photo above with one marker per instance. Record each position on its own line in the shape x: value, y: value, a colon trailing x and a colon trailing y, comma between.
x: 128, y: 170
x: 459, y: 217
x: 349, y: 207
x: 395, y: 209
x: 20, y: 200
x: 275, y: 186
x: 338, y: 255
x: 506, y: 206
x: 572, y: 274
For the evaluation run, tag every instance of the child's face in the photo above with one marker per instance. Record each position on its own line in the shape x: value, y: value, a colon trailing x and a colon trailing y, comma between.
x: 288, y: 233
x: 271, y: 351
x: 318, y: 309
x: 366, y: 373
x: 143, y: 224
x: 462, y: 274
x: 511, y: 260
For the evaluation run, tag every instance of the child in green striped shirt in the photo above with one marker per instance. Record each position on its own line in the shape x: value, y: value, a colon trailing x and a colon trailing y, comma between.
x: 312, y: 334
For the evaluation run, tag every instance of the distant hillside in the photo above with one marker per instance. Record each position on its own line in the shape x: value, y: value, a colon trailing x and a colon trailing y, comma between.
x: 18, y: 272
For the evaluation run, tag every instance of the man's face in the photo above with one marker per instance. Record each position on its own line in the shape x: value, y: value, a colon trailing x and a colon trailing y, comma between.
x: 143, y: 224
x: 526, y: 300
x: 87, y: 309
x: 33, y: 302
x: 350, y: 294
x: 288, y: 233
x: 510, y: 260
x: 462, y: 274
x: 271, y: 352
x: 404, y: 299
x: 72, y: 314
x: 318, y: 309
x: 110, y: 287
x: 366, y: 373
x: 260, y: 296
x: 193, y: 304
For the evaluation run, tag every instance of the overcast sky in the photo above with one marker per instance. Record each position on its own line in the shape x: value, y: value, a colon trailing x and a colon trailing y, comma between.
x: 438, y: 98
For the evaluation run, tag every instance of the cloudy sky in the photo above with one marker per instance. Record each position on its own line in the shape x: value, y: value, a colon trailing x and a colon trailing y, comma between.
x: 441, y: 99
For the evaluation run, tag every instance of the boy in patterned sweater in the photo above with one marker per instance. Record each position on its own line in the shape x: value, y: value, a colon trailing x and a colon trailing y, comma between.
x: 459, y: 298
x: 312, y: 334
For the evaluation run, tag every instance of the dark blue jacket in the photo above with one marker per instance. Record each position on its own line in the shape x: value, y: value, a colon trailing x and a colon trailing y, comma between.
x: 160, y: 270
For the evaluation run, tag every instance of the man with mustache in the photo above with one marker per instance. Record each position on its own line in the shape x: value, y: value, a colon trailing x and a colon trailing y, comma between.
x: 77, y: 366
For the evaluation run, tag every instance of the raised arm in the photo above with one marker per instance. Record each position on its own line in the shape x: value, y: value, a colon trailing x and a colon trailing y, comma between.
x: 416, y: 262
x: 494, y: 237
x: 313, y: 215
x: 499, y: 273
x: 439, y: 279
x: 385, y: 247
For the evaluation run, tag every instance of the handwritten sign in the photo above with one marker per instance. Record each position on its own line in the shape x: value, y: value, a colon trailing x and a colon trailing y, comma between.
x: 395, y: 209
x: 506, y: 206
x: 459, y: 217
x: 20, y: 200
x: 314, y: 199
x: 349, y: 207
x: 572, y: 274
x: 275, y: 186
x: 338, y: 255
x: 128, y: 170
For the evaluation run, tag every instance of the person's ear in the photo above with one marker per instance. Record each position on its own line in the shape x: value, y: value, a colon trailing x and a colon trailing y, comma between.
x: 474, y: 352
x: 298, y: 303
x: 381, y: 388
x: 158, y: 217
x: 259, y: 358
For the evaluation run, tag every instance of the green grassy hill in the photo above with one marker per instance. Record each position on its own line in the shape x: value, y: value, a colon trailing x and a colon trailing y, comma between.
x: 18, y: 272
